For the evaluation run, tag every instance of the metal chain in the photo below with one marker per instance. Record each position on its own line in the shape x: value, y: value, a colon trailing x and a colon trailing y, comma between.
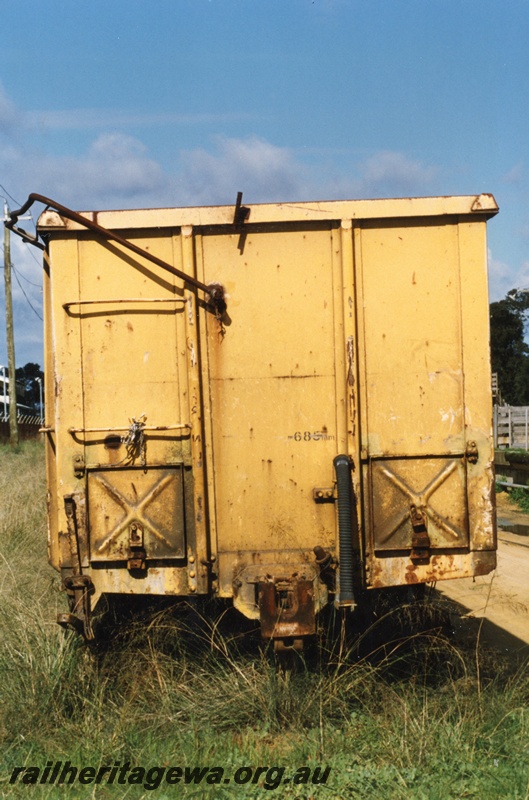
x: 134, y: 440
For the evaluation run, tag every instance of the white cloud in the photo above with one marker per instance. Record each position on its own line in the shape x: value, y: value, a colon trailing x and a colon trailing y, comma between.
x: 27, y: 261
x: 27, y: 302
x: 115, y: 170
x: 263, y: 171
x: 104, y: 119
x: 394, y: 174
x: 382, y: 174
x: 266, y: 172
x: 502, y: 277
x: 516, y: 174
x: 115, y: 166
x: 9, y: 116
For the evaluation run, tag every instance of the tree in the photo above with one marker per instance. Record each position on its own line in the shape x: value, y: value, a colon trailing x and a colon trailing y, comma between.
x: 26, y: 377
x: 509, y: 351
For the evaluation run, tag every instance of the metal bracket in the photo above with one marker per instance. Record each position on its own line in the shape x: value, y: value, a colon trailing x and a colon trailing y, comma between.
x: 79, y: 465
x: 137, y: 555
x: 241, y: 213
x: 324, y: 495
x: 472, y: 453
x: 240, y: 216
x: 420, y: 541
x: 286, y: 607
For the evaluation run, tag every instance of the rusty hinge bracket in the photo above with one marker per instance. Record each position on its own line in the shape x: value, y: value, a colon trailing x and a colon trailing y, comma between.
x: 136, y: 555
x: 327, y: 495
x: 472, y: 453
x: 420, y: 541
x: 79, y: 465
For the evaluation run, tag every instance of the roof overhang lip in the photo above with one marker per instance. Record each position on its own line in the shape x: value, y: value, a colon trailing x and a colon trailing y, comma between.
x: 483, y: 204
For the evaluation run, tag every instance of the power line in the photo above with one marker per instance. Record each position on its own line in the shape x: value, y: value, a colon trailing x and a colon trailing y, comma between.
x: 25, y: 295
x: 3, y: 188
x: 32, y: 254
x: 21, y: 275
x: 38, y: 285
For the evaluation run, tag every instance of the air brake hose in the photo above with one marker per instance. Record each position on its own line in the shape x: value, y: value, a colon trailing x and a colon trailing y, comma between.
x: 346, y: 515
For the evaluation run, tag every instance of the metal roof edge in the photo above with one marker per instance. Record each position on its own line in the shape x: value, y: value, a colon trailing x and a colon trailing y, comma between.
x: 200, y: 216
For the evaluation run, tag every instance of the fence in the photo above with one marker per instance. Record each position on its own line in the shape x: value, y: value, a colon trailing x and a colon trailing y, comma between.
x: 28, y: 426
x: 511, y: 427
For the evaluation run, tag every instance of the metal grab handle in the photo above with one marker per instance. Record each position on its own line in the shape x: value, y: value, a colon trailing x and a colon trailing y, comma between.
x: 71, y: 303
x: 176, y: 426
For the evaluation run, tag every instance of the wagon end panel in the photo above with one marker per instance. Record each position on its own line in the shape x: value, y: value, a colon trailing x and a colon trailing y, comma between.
x: 276, y: 421
x: 128, y: 501
x: 426, y: 400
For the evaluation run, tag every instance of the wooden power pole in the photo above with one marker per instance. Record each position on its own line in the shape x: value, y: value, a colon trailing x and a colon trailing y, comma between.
x: 10, y: 336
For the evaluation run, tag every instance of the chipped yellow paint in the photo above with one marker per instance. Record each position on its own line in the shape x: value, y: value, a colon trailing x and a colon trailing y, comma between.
x: 356, y: 327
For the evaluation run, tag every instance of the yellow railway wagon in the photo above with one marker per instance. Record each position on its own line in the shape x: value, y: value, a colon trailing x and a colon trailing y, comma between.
x: 287, y: 404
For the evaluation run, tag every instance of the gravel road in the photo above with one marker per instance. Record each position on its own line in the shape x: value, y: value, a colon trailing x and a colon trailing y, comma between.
x: 501, y: 599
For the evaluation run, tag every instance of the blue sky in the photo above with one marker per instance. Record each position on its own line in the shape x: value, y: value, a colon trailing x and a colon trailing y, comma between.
x: 185, y: 102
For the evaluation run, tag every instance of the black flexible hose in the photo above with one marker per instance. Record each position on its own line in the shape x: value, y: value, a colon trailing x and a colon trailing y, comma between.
x: 346, y: 515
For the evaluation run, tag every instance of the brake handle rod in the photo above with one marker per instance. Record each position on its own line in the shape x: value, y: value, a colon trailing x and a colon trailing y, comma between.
x: 214, y: 291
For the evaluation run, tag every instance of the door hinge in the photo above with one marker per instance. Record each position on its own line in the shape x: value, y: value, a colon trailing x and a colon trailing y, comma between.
x: 472, y: 453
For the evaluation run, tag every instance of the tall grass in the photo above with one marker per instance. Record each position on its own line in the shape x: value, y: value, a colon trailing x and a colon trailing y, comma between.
x: 170, y: 687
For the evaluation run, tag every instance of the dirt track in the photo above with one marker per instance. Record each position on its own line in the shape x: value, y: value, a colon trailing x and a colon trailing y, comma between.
x: 500, y: 599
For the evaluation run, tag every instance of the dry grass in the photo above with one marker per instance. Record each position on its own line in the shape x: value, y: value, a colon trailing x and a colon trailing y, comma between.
x: 172, y: 687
